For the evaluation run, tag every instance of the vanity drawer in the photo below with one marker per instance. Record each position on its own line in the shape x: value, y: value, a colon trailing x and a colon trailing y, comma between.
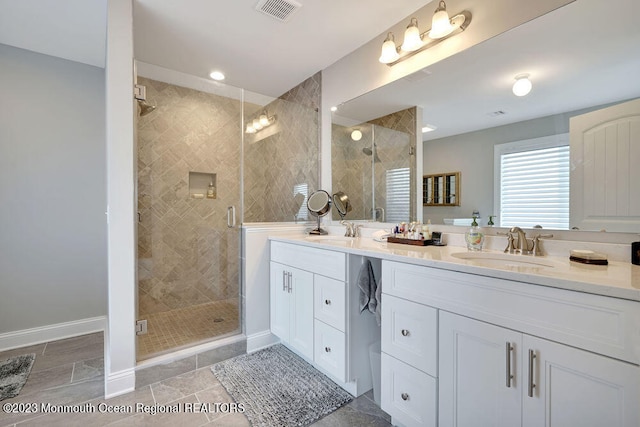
x: 410, y: 333
x: 408, y: 395
x: 329, y: 301
x: 597, y: 323
x: 330, y: 350
x: 320, y: 261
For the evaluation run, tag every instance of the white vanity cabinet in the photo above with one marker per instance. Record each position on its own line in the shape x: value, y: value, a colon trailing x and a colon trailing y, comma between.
x: 515, y: 354
x: 314, y: 311
x: 494, y: 376
x: 292, y: 307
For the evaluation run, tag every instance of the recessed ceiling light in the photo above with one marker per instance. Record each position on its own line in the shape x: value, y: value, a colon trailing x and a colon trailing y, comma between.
x: 522, y: 86
x: 217, y: 75
x: 334, y: 108
x: 428, y: 128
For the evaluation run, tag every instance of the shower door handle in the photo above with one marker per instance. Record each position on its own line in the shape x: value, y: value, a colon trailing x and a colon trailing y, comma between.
x: 231, y: 216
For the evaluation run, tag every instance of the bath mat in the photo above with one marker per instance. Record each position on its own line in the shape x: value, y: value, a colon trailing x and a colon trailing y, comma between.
x: 14, y: 373
x: 278, y: 388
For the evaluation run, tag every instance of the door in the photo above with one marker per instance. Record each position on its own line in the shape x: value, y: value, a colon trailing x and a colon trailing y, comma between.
x: 573, y: 387
x: 604, y: 175
x: 480, y: 379
x: 301, y: 312
x: 280, y: 306
x: 188, y: 183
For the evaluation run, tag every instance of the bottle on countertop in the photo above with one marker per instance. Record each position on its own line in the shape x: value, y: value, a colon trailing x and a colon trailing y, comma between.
x: 474, y: 237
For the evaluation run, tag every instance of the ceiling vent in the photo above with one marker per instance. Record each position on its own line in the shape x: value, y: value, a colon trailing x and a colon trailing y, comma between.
x: 278, y: 9
x: 497, y: 113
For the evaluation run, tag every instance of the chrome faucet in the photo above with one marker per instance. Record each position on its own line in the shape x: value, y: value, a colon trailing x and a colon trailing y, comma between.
x: 523, y: 245
x: 350, y: 228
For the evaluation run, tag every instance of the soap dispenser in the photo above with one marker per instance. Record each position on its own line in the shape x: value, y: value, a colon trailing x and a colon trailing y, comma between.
x: 474, y: 237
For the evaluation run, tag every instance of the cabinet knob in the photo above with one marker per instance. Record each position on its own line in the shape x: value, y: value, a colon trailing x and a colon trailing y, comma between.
x: 327, y: 349
x: 404, y: 396
x: 327, y: 302
x: 405, y: 332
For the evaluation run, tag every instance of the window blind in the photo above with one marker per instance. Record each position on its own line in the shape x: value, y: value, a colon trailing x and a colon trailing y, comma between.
x: 534, y: 189
x: 303, y: 213
x: 398, y: 195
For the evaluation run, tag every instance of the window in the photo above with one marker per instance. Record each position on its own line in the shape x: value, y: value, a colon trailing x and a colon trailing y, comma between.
x: 398, y: 195
x: 303, y: 189
x: 532, y: 182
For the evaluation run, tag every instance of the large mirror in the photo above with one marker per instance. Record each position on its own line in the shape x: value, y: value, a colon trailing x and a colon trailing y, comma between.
x: 576, y: 62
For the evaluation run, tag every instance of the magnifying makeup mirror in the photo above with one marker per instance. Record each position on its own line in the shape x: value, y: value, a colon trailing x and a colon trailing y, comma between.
x: 319, y: 204
x: 341, y: 202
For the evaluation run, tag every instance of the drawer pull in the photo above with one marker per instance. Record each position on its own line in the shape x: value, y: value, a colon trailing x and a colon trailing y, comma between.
x: 327, y: 349
x: 509, y: 349
x: 405, y: 332
x: 532, y: 385
x: 327, y: 302
x: 404, y: 396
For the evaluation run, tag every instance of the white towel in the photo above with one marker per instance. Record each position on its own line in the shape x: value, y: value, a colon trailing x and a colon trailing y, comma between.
x: 368, y: 287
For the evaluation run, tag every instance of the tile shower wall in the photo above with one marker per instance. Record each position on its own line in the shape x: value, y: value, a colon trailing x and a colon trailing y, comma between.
x: 186, y: 253
x: 394, y: 135
x: 284, y: 156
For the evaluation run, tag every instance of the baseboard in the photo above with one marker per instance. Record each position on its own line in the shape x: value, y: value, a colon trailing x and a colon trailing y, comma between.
x: 58, y: 331
x: 118, y: 383
x: 261, y: 340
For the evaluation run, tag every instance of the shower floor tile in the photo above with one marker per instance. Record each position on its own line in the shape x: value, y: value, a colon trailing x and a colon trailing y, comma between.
x: 173, y: 329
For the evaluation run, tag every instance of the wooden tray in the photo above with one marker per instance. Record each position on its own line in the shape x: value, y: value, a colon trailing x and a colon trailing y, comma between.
x: 400, y: 240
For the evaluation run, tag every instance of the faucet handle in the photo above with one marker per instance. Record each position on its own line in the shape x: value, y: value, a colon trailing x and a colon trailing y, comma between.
x: 356, y: 231
x: 536, y: 243
x: 510, y: 242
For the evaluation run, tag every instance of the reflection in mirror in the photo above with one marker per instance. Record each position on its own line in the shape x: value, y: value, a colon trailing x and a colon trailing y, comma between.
x: 376, y: 169
x: 468, y: 98
x: 341, y: 203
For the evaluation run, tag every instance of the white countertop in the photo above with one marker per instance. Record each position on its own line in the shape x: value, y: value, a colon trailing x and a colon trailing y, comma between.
x: 618, y: 279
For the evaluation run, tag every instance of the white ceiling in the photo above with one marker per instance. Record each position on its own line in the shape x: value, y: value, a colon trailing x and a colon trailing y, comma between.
x: 255, y: 51
x: 575, y: 59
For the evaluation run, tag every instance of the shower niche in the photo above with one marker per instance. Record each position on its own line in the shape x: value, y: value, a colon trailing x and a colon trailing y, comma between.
x: 202, y: 185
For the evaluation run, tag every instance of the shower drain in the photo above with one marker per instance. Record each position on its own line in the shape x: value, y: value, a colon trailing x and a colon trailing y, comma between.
x: 218, y: 320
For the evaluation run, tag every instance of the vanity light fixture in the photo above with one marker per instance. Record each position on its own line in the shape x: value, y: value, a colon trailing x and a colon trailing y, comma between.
x: 260, y: 122
x: 356, y: 135
x: 442, y: 27
x: 217, y: 75
x: 522, y: 86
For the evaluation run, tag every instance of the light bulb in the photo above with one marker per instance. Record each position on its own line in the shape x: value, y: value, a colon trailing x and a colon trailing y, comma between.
x: 389, y: 53
x: 250, y: 129
x: 256, y: 124
x: 216, y: 75
x: 264, y: 120
x: 440, y: 24
x: 412, y: 40
x: 356, y: 135
x: 522, y: 86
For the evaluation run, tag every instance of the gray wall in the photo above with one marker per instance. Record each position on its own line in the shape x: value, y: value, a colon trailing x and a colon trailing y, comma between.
x: 53, y: 258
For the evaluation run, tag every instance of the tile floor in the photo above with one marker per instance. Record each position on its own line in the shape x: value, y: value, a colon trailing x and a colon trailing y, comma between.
x: 174, y: 329
x: 70, y: 372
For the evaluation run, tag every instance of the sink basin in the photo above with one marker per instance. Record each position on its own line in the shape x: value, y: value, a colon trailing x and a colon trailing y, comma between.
x: 340, y: 240
x: 498, y: 260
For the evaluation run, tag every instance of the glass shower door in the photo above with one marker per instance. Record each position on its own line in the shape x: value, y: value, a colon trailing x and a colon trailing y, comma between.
x: 189, y: 175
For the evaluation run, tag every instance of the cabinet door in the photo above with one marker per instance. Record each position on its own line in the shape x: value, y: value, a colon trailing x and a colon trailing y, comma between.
x: 279, y: 304
x: 577, y: 388
x: 330, y: 301
x: 474, y: 363
x: 301, y: 312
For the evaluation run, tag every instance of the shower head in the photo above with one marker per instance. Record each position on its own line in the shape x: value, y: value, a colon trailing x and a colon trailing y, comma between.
x: 368, y: 152
x: 145, y: 107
